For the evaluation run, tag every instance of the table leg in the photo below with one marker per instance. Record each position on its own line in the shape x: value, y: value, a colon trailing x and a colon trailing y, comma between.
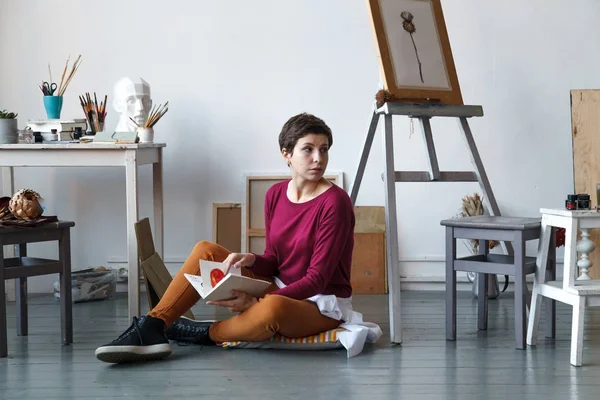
x: 8, y: 189
x: 66, y: 305
x: 3, y: 327
x: 131, y: 188
x: 551, y: 276
x: 577, y: 329
x: 157, y: 185
x: 21, y: 295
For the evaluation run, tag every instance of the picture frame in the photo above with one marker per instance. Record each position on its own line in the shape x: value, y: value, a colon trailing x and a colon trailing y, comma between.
x: 414, y: 51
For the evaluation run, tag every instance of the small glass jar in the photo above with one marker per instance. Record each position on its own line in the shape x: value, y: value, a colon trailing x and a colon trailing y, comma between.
x: 583, y: 201
x: 571, y: 202
x: 26, y: 136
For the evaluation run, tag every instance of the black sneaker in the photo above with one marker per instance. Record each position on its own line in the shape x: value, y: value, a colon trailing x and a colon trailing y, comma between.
x: 186, y: 330
x: 144, y: 340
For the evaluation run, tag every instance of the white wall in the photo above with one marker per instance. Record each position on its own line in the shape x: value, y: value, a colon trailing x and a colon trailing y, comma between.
x: 234, y: 71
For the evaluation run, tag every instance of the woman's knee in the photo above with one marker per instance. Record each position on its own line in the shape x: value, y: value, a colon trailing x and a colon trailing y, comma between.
x: 205, y: 250
x: 202, y: 246
x: 273, y: 307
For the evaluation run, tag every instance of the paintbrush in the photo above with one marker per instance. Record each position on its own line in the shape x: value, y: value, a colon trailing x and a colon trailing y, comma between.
x: 156, y: 115
x: 62, y: 78
x: 74, y: 68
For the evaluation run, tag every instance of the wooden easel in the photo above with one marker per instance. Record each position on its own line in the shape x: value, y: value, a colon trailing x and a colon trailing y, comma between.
x: 424, y: 112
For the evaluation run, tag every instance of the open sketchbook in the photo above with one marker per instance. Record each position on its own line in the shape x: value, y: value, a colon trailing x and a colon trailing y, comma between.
x: 214, y: 285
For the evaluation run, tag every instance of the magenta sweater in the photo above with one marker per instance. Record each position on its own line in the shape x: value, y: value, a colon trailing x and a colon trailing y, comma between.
x: 308, y: 245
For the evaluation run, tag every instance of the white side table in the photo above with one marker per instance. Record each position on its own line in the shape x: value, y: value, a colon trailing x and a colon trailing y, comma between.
x: 127, y: 156
x: 576, y: 289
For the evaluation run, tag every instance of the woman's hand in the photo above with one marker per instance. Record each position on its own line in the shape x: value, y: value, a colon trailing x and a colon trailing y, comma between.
x: 241, y: 303
x: 239, y: 260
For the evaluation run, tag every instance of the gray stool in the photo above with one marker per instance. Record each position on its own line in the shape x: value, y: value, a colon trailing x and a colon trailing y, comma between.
x: 22, y: 267
x: 484, y: 229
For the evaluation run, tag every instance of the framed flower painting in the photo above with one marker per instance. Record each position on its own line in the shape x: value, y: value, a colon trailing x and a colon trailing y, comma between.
x: 414, y: 51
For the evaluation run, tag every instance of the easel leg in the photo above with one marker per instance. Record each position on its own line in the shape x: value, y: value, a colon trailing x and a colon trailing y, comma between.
x: 392, y: 234
x: 364, y: 157
x: 484, y: 183
x: 434, y: 169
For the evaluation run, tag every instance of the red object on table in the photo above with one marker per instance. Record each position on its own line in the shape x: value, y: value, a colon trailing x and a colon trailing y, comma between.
x: 560, y: 237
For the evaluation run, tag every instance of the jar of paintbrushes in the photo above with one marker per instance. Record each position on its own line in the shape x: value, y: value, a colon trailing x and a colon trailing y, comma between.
x: 95, y: 113
x: 53, y: 93
x: 145, y: 133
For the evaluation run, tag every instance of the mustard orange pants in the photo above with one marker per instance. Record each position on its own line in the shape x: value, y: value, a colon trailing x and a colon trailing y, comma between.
x: 272, y: 314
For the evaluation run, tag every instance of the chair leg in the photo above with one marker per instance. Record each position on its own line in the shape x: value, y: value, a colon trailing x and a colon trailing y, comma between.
x: 577, y: 329
x: 21, y: 296
x: 520, y: 301
x: 482, y: 290
x: 3, y: 333
x: 450, y: 284
x: 66, y: 306
x: 21, y: 306
x: 542, y: 263
x: 482, y: 301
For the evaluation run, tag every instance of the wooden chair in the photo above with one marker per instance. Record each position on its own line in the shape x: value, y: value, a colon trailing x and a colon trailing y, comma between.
x: 22, y: 267
x: 156, y: 276
x: 485, y: 228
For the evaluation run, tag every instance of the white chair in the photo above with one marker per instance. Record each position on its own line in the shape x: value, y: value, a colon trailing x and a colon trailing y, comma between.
x: 577, y: 290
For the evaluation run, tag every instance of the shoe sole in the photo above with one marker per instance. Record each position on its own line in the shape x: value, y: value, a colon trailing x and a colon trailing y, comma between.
x: 132, y: 354
x: 197, y: 320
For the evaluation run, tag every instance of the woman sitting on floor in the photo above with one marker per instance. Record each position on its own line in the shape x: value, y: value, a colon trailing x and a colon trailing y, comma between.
x: 309, y: 240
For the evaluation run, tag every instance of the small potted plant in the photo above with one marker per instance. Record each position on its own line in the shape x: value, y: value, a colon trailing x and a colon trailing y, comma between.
x: 8, y: 127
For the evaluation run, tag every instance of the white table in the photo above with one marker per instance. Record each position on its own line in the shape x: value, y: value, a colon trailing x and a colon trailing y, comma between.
x: 129, y: 156
x: 577, y: 288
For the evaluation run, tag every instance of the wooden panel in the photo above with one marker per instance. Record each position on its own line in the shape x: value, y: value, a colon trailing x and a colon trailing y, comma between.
x: 369, y: 219
x: 158, y: 280
x: 368, y: 264
x: 227, y: 226
x: 258, y: 190
x: 585, y: 120
x: 143, y: 233
x: 369, y: 273
x: 257, y: 245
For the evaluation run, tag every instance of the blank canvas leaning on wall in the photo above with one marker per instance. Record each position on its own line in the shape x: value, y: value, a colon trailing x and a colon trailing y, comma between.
x: 227, y: 219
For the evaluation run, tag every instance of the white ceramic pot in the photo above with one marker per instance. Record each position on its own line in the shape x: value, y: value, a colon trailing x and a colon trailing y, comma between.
x: 9, y: 133
x: 146, y: 135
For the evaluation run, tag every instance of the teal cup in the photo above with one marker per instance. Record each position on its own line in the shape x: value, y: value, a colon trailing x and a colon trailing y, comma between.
x: 53, y: 105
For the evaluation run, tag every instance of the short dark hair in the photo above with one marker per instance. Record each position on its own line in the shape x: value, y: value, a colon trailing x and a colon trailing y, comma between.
x: 299, y: 126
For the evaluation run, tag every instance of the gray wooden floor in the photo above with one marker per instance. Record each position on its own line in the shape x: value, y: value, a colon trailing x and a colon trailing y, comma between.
x: 481, y: 364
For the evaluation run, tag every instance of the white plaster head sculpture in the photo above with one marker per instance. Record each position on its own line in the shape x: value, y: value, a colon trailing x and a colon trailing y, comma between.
x: 132, y: 100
